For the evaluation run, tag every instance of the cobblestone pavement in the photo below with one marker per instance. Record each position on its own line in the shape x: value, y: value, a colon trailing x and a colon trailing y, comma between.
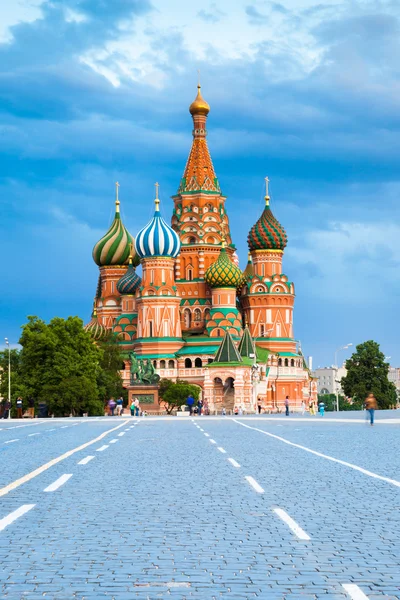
x: 199, y: 508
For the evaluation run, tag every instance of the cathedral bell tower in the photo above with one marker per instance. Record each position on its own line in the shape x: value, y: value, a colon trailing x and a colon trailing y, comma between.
x: 199, y: 218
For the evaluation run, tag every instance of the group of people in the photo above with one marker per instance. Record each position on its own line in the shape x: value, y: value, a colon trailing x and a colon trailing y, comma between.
x: 116, y: 407
x: 5, y: 408
x: 370, y: 405
x: 195, y: 408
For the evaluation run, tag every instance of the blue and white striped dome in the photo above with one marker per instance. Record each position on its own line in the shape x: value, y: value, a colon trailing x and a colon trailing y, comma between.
x: 157, y: 238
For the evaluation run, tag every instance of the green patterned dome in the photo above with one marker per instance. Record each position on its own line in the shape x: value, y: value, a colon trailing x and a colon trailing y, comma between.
x: 115, y: 246
x: 97, y: 330
x: 267, y: 233
x: 223, y: 272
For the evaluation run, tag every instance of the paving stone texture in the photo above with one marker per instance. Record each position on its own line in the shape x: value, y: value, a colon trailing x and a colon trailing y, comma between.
x: 163, y: 514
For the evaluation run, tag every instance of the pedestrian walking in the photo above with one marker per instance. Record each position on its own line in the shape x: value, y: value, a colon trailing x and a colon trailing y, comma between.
x: 287, y: 406
x: 321, y: 408
x: 137, y: 407
x: 31, y: 407
x: 111, y: 406
x: 236, y: 411
x: 132, y: 407
x: 223, y: 411
x: 240, y: 412
x: 7, y: 407
x: 259, y: 407
x: 312, y: 408
x: 190, y: 403
x: 303, y: 407
x: 120, y: 406
x: 371, y: 405
x: 199, y: 407
x: 19, y: 407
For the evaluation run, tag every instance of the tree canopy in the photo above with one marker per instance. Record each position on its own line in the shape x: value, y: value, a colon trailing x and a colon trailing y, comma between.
x: 61, y: 366
x: 367, y: 372
x: 173, y: 394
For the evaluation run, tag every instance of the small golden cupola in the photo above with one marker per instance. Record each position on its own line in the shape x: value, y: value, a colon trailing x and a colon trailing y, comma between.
x: 199, y: 106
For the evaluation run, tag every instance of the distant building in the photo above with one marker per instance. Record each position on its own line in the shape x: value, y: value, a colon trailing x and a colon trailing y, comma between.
x: 329, y: 378
x: 394, y: 376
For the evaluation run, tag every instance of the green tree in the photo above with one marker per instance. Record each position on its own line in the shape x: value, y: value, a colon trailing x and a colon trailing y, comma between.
x: 109, y: 379
x: 60, y: 365
x: 174, y: 394
x: 330, y: 402
x: 367, y: 372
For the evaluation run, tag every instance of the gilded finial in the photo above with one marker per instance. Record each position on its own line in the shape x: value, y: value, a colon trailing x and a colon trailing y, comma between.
x: 157, y: 200
x: 266, y: 191
x: 198, y: 78
x: 130, y: 253
x: 117, y: 203
x: 94, y: 308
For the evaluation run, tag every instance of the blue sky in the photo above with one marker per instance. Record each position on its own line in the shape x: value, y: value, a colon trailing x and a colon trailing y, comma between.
x: 95, y: 91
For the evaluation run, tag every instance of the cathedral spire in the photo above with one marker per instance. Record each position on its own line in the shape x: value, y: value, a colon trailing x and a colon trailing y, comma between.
x: 199, y: 174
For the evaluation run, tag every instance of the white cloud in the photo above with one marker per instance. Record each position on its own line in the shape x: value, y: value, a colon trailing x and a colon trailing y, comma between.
x: 350, y: 262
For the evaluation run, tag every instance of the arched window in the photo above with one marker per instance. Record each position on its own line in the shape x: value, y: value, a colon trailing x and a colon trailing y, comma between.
x: 192, y: 240
x: 279, y: 362
x: 162, y: 364
x: 292, y: 363
x: 262, y: 330
x: 198, y: 363
x: 155, y: 364
x: 210, y: 360
x: 171, y: 364
x: 190, y: 274
x: 197, y: 315
x: 207, y: 314
x: 188, y: 363
x: 286, y: 362
x: 218, y: 333
x: 187, y: 317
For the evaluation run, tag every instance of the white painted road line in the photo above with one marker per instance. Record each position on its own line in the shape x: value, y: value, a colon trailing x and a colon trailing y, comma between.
x: 121, y: 434
x: 354, y: 591
x: 31, y: 434
x: 326, y: 456
x: 212, y: 441
x: 113, y: 441
x: 85, y: 461
x: 234, y: 463
x: 221, y: 450
x: 207, y: 434
x: 15, y: 515
x: 201, y: 429
x: 64, y: 427
x: 102, y: 448
x: 51, y: 430
x: 58, y: 483
x: 15, y: 484
x: 297, y: 530
x: 256, y: 486
x: 11, y: 441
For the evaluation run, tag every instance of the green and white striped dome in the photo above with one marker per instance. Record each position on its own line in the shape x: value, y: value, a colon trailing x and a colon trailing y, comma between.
x: 115, y: 246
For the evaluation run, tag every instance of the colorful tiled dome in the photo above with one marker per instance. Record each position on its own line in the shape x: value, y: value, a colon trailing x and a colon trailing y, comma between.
x: 157, y: 238
x: 97, y: 331
x: 114, y: 246
x: 267, y: 233
x: 223, y: 272
x: 129, y: 282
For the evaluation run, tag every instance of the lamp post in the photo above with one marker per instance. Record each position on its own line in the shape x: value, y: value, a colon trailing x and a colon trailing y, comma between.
x: 337, y: 369
x: 9, y: 376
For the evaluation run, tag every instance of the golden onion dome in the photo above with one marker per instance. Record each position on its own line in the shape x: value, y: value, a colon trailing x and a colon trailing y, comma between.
x: 199, y: 106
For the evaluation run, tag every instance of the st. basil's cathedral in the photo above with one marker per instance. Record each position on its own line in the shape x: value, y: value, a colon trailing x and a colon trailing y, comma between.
x: 194, y: 315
